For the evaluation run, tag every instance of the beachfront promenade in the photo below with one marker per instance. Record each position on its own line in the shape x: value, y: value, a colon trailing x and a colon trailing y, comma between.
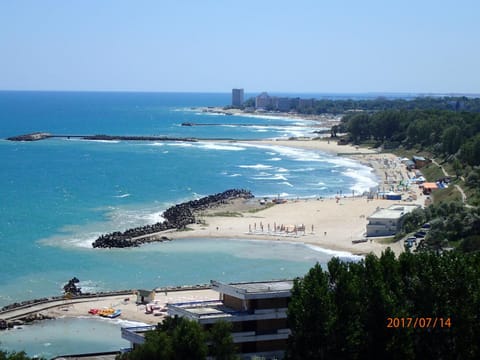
x: 124, y: 300
x: 23, y: 311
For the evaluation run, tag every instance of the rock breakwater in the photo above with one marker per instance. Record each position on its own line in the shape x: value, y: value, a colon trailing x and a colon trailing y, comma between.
x: 176, y: 217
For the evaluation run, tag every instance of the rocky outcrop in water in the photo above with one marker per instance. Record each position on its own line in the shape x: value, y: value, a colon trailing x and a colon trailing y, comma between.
x: 31, y: 137
x: 71, y: 287
x: 176, y: 217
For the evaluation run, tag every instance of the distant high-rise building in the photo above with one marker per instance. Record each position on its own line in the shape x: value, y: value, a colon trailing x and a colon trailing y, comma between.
x: 237, y: 97
x: 263, y: 101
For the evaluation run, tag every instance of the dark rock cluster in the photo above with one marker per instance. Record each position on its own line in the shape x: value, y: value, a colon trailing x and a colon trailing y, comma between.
x: 71, y: 287
x: 8, y: 324
x: 176, y: 217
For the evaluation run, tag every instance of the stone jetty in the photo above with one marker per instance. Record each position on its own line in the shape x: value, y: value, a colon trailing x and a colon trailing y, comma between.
x: 44, y: 135
x: 176, y: 217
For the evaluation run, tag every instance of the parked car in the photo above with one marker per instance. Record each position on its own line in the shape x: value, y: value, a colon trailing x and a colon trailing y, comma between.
x: 410, y: 241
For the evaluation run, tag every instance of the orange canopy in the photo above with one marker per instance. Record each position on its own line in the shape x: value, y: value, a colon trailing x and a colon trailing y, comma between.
x: 430, y: 186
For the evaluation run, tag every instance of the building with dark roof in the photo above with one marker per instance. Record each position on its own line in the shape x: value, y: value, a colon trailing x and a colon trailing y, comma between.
x: 257, y: 311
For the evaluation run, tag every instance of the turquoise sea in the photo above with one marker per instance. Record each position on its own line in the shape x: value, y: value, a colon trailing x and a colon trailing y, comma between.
x: 58, y: 195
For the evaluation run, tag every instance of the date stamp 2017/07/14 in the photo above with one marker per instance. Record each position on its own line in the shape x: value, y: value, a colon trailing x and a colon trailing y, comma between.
x: 419, y: 322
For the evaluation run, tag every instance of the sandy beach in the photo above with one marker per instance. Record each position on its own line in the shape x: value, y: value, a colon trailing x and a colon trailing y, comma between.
x: 323, y: 119
x: 329, y: 223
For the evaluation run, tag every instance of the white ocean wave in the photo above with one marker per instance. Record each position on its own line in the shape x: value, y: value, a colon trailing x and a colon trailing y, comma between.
x: 318, y: 186
x: 341, y: 254
x: 304, y: 169
x: 275, y: 159
x: 90, y: 286
x: 181, y: 144
x: 286, y: 183
x: 216, y: 146
x: 364, y: 179
x: 275, y: 177
x: 210, y: 113
x: 127, y: 323
x: 122, y: 196
x: 96, y: 141
x: 81, y: 240
x: 256, y: 166
x: 363, y: 176
x: 294, y: 153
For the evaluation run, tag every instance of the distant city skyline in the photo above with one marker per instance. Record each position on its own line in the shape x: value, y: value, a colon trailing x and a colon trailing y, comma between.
x: 275, y: 46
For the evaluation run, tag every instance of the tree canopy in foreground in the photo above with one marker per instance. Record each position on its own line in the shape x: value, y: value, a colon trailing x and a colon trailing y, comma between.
x: 4, y: 355
x: 419, y: 306
x: 182, y: 339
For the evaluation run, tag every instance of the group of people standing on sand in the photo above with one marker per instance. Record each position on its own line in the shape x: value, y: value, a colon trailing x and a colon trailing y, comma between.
x: 278, y: 229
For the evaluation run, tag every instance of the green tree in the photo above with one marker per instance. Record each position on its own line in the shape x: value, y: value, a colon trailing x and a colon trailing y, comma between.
x: 189, y: 341
x: 343, y: 313
x: 311, y: 317
x: 452, y: 139
x: 470, y: 151
x: 358, y: 127
x: 175, y: 338
x: 222, y: 345
x: 4, y: 355
x: 457, y: 167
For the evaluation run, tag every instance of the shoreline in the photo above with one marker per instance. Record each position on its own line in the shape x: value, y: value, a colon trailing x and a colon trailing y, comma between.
x: 338, y: 225
x: 329, y: 224
x: 270, y: 114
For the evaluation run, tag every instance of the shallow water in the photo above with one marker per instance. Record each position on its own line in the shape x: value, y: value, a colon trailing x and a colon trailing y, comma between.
x: 50, y: 338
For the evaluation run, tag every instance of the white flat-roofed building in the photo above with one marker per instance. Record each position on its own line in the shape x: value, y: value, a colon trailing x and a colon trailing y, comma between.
x: 237, y: 97
x: 257, y: 311
x: 387, y: 222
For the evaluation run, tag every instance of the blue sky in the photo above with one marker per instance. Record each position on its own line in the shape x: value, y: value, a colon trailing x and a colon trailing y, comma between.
x: 204, y: 45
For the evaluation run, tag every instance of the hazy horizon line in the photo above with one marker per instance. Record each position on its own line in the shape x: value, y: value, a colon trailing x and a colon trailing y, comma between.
x: 421, y: 93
